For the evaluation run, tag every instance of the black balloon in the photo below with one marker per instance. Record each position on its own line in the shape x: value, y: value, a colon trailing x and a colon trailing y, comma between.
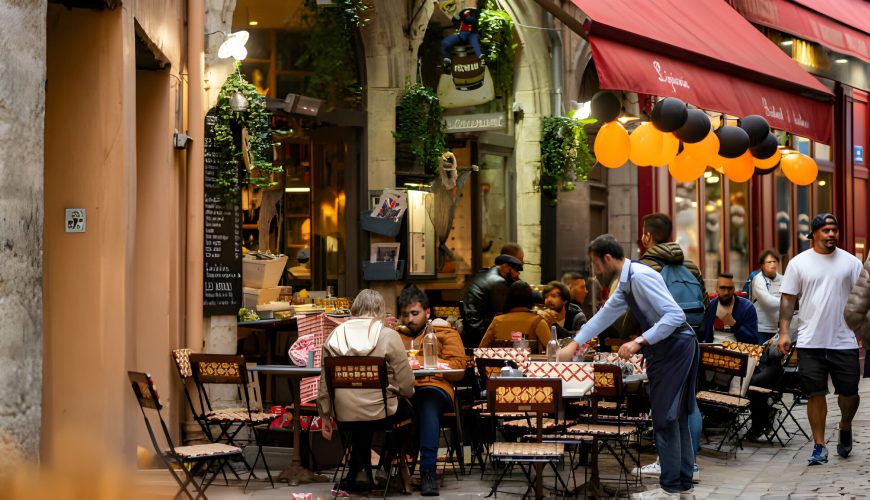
x: 695, y: 129
x: 733, y: 141
x: 669, y: 114
x: 765, y: 171
x: 756, y: 127
x: 766, y: 148
x: 605, y: 106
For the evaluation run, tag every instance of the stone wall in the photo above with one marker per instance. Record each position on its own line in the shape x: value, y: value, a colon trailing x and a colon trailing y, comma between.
x: 22, y: 109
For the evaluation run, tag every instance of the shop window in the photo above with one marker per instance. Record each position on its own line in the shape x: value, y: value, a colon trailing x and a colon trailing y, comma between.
x: 783, y: 217
x: 494, y: 203
x: 421, y: 233
x: 686, y: 219
x: 822, y: 152
x: 738, y: 230
x: 802, y: 202
x: 824, y: 193
x: 713, y: 227
x: 802, y: 144
x: 328, y: 247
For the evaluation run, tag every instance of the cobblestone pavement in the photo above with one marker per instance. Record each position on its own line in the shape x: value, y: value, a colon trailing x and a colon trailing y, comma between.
x: 758, y: 471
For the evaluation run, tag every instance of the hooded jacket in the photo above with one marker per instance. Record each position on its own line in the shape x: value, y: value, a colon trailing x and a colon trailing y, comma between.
x: 669, y: 253
x: 366, y: 337
x: 858, y: 306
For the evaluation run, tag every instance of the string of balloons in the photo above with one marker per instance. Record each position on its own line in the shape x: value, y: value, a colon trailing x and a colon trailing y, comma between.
x: 684, y: 140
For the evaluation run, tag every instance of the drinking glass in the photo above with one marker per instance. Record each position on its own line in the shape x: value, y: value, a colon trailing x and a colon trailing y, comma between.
x: 413, y: 349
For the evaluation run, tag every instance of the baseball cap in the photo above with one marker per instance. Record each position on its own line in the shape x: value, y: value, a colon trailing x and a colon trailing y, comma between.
x: 822, y: 220
x: 510, y: 260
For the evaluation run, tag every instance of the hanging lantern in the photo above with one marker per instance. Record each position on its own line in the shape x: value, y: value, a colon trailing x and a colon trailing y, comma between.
x: 238, y: 102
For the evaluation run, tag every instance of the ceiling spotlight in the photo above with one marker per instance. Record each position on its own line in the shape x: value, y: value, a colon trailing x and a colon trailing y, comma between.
x: 234, y: 46
x: 252, y: 23
x: 786, y: 43
x: 841, y: 60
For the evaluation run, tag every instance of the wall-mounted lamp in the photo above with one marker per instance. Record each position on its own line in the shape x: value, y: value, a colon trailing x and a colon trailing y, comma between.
x: 302, y: 105
x: 233, y: 46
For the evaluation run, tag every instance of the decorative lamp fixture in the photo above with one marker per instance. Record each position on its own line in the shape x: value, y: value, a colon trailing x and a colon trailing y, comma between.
x: 238, y: 102
x: 234, y: 46
x: 302, y: 105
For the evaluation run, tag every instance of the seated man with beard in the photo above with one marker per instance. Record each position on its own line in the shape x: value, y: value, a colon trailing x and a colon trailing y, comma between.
x: 560, y: 312
x: 731, y: 317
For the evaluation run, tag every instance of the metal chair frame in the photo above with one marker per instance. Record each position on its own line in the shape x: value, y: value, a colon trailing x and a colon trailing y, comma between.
x: 733, y: 363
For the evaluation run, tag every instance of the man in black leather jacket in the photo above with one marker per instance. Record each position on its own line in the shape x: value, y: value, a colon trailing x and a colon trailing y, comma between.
x: 486, y: 292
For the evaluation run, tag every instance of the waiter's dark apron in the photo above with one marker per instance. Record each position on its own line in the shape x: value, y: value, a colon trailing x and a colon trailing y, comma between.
x: 671, y: 366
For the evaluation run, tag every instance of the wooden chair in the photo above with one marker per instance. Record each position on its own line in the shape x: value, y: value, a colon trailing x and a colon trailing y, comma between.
x: 734, y: 407
x: 366, y: 373
x: 231, y: 370
x: 533, y: 396
x: 177, y: 459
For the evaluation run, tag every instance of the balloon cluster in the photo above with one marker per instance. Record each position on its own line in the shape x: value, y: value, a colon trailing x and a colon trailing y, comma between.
x: 684, y: 140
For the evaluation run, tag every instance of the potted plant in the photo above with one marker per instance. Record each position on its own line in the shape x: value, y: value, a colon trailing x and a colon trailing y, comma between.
x: 419, y: 134
x: 565, y: 155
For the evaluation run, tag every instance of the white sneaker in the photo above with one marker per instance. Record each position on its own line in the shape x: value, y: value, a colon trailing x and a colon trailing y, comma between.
x: 658, y: 493
x: 696, y: 474
x: 652, y: 470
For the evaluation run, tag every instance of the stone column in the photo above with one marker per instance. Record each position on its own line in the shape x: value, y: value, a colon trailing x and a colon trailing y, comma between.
x: 22, y: 114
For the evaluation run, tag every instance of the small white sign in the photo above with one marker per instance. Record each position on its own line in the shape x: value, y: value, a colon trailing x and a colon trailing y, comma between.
x: 75, y: 220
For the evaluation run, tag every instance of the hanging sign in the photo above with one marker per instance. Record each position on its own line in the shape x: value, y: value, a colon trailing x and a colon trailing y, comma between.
x: 474, y: 123
x: 858, y: 155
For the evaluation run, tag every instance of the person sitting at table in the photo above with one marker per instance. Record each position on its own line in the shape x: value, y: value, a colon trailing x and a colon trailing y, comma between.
x: 518, y: 317
x: 364, y: 334
x: 560, y: 312
x: 433, y: 395
x: 730, y: 314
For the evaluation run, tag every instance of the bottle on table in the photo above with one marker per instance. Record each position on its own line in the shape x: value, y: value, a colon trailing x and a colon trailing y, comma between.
x: 552, y: 345
x: 430, y: 349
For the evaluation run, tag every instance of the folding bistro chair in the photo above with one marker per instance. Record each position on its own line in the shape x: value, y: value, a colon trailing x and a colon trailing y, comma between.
x: 537, y: 396
x: 734, y: 407
x: 366, y: 373
x: 790, y: 384
x: 177, y: 458
x: 229, y: 369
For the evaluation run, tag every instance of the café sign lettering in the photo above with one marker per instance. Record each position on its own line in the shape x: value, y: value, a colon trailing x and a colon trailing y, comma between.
x: 475, y: 123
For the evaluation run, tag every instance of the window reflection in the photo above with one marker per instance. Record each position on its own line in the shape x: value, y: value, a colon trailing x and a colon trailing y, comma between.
x: 783, y: 217
x: 739, y: 230
x: 802, y: 194
x: 713, y: 227
x: 686, y: 219
x: 824, y: 202
x: 494, y: 203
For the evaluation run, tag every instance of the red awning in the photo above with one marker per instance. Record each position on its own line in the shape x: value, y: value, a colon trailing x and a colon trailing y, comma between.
x: 808, y: 24
x: 854, y: 13
x: 705, y: 53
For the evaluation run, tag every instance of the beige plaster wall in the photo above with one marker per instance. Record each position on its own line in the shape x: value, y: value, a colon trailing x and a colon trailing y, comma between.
x: 112, y: 294
x: 22, y: 101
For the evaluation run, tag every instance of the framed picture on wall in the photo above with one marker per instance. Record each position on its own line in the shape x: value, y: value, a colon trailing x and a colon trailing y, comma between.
x: 385, y: 252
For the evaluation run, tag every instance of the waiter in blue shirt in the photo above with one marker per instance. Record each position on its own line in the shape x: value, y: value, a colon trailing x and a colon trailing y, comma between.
x: 668, y: 344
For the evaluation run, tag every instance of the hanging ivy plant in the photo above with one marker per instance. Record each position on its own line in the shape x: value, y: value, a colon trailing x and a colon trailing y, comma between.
x: 496, y: 33
x: 329, y: 50
x: 420, y: 126
x: 257, y: 120
x: 565, y: 155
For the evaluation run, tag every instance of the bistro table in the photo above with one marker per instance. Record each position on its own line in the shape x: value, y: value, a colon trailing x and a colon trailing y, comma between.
x: 296, y: 473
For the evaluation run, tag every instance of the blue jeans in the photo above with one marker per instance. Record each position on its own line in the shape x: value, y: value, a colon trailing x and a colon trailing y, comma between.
x: 695, y: 428
x: 469, y: 37
x: 429, y: 403
x: 676, y: 455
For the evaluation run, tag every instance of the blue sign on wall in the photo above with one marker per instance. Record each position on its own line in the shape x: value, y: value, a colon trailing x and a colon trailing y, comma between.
x: 858, y: 156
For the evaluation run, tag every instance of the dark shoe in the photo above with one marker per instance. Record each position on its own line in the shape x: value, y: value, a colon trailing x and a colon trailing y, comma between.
x: 844, y: 447
x: 819, y: 456
x: 428, y: 484
x: 447, y: 64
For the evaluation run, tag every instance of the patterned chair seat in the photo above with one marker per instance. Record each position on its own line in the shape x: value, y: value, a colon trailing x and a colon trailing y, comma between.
x: 604, y: 405
x: 601, y: 429
x: 760, y: 390
x: 722, y: 399
x: 207, y: 450
x: 481, y: 407
x: 501, y: 450
x: 547, y: 423
x: 239, y: 415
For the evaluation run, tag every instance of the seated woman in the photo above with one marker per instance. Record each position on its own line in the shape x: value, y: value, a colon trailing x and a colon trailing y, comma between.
x: 365, y: 335
x: 518, y: 317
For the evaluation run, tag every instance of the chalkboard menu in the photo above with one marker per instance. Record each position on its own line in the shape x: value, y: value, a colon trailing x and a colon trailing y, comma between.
x: 222, y: 283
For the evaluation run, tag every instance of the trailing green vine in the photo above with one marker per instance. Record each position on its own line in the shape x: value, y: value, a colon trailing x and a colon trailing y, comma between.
x: 496, y: 33
x: 565, y: 155
x: 329, y: 49
x: 258, y: 122
x: 420, y: 125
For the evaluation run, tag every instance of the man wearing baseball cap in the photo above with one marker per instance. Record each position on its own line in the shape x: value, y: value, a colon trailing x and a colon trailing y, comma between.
x: 822, y: 277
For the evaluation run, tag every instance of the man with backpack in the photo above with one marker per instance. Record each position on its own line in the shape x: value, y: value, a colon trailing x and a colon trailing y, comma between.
x: 685, y: 283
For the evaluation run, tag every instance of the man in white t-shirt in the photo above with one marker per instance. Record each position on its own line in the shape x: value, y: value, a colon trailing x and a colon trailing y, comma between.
x: 822, y: 277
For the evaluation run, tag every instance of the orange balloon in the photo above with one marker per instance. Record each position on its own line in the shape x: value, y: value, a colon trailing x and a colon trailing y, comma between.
x: 707, y: 149
x: 685, y: 167
x: 646, y: 144
x: 670, y: 148
x: 769, y: 162
x: 612, y: 145
x: 740, y: 169
x: 718, y: 163
x: 800, y: 169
